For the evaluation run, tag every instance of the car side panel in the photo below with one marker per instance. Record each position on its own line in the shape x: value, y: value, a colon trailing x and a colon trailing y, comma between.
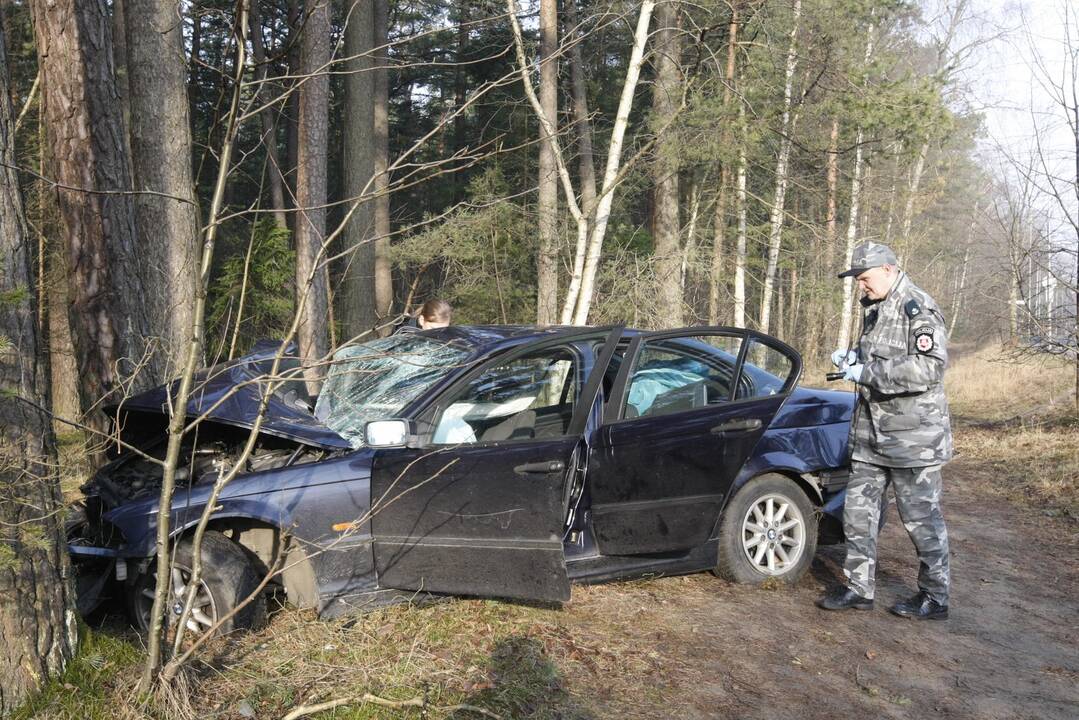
x: 658, y: 484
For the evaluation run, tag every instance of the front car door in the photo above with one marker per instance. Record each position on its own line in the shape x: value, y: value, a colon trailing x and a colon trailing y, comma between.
x: 479, y: 507
x: 686, y: 410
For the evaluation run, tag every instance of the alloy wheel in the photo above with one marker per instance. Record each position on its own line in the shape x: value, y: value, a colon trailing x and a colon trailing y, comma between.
x: 773, y: 534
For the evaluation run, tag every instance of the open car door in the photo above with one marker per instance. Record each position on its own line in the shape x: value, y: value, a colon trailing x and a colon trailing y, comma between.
x: 478, y: 508
x: 686, y: 410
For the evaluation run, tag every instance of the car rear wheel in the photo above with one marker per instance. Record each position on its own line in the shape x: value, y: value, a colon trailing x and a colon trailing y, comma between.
x: 768, y: 530
x: 227, y: 579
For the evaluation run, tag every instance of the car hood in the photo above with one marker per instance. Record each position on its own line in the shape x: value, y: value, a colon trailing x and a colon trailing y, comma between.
x: 230, y: 394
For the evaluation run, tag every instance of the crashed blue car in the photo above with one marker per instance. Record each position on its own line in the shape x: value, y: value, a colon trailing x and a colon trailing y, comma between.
x: 498, y: 461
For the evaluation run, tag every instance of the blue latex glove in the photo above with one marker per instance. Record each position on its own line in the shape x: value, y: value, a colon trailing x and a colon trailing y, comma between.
x: 853, y: 372
x: 843, y: 357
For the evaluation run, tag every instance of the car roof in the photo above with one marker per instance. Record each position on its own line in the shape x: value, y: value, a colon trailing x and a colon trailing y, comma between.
x: 482, y: 339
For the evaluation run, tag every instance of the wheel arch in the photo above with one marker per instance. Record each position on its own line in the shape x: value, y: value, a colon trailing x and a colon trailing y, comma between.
x: 799, y: 476
x: 261, y: 538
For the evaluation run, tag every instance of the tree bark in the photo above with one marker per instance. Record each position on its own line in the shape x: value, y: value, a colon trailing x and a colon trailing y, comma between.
x: 585, y: 159
x: 357, y: 307
x: 845, y: 319
x: 120, y: 60
x: 666, y: 222
x: 957, y: 306
x: 312, y: 291
x: 833, y: 192
x: 547, y: 202
x: 740, y: 211
x: 168, y: 229
x: 37, y: 605
x: 296, y: 24
x: 716, y: 281
x: 775, y: 233
x: 581, y: 302
x: 846, y: 315
x: 912, y: 192
x: 108, y: 313
x: 266, y: 117
x: 383, y: 268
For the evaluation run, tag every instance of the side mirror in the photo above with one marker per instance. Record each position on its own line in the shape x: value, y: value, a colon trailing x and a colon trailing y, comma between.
x: 387, y: 433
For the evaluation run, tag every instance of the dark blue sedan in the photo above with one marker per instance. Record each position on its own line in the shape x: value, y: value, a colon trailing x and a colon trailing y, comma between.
x: 502, y: 461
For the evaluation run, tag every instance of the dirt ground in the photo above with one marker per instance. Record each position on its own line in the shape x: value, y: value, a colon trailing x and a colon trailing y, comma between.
x: 1009, y: 650
x: 700, y: 647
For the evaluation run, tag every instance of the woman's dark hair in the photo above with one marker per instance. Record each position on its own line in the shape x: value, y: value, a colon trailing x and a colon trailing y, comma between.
x: 436, y: 311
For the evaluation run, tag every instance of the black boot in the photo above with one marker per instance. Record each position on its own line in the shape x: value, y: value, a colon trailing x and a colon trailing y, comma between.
x: 920, y: 607
x: 844, y: 599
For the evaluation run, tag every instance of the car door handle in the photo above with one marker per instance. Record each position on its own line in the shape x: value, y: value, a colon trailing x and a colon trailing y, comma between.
x: 547, y: 466
x: 740, y: 425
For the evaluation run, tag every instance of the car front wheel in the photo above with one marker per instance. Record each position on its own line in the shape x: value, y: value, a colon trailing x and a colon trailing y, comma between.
x: 227, y: 579
x: 768, y: 530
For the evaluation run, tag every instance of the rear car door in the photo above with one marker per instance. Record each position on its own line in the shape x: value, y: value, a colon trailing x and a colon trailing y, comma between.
x: 478, y: 508
x: 686, y: 410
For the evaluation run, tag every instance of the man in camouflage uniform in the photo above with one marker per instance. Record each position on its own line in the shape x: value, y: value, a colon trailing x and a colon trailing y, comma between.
x: 900, y: 433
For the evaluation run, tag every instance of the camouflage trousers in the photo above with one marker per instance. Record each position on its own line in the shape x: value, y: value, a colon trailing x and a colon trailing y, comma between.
x: 917, y: 496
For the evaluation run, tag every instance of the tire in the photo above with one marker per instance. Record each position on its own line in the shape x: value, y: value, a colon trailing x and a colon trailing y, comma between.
x: 228, y: 577
x: 741, y: 555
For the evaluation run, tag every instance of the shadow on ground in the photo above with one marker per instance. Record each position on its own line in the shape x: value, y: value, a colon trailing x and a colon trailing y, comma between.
x: 525, y: 682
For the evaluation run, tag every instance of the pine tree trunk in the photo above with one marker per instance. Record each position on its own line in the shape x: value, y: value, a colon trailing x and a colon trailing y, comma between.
x: 833, y: 192
x: 740, y: 211
x: 915, y: 183
x: 296, y: 24
x: 107, y: 275
x: 460, y: 90
x: 37, y: 615
x: 357, y: 308
x: 312, y: 293
x: 666, y: 222
x: 120, y: 60
x: 845, y: 318
x: 716, y: 280
x: 957, y: 306
x: 775, y: 233
x: 383, y: 269
x: 266, y: 117
x: 168, y: 229
x: 547, y: 204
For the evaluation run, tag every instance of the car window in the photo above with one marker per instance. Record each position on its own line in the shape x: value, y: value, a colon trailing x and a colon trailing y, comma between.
x: 765, y: 372
x: 676, y: 374
x: 529, y: 397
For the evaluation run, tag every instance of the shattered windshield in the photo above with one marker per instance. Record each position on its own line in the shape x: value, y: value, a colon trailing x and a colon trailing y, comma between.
x: 376, y: 380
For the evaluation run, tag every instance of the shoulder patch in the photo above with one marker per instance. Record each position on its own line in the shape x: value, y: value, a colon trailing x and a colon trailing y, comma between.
x: 913, y: 309
x: 923, y: 339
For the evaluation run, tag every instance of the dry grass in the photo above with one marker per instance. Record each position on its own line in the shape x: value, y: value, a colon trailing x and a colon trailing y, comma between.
x: 603, y: 656
x: 1035, y: 464
x: 1016, y: 420
x: 989, y: 384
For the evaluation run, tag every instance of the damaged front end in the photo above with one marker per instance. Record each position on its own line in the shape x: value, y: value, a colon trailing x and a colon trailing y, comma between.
x: 111, y: 531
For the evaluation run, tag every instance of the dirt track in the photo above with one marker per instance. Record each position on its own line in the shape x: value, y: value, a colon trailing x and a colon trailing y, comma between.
x: 1009, y: 650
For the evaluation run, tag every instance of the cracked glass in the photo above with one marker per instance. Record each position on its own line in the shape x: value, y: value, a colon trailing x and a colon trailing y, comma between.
x: 378, y: 379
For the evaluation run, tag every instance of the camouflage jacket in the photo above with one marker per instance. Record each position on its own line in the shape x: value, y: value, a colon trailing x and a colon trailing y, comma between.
x: 901, y: 417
